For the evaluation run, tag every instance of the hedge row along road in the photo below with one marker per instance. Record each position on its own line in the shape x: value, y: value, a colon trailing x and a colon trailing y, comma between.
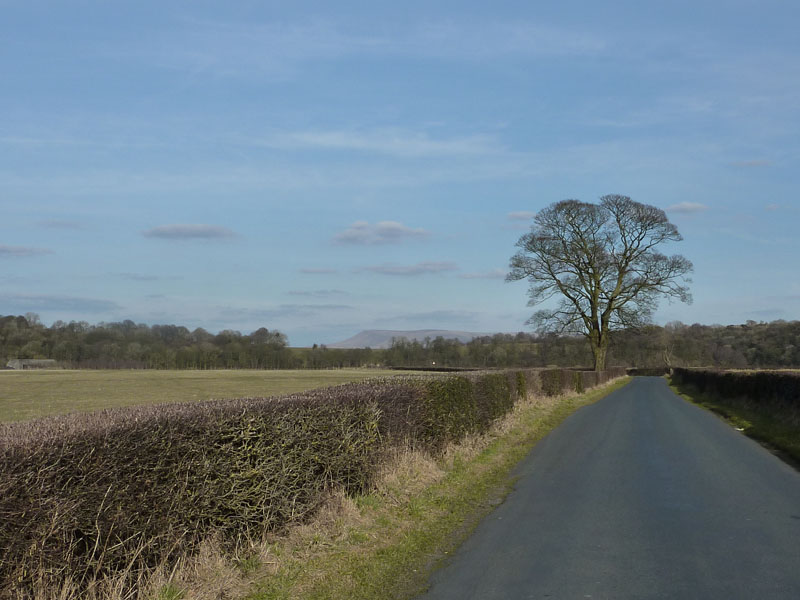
x: 88, y: 496
x: 641, y: 495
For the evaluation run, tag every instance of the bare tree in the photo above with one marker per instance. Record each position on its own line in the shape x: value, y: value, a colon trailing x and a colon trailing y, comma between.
x: 601, y: 261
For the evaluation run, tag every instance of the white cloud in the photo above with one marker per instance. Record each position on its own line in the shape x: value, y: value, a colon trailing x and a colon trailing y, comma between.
x: 687, y: 207
x: 384, y: 232
x: 421, y: 268
x: 189, y: 232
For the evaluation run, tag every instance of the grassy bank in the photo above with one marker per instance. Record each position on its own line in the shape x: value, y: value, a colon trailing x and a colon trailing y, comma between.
x: 31, y: 394
x: 385, y: 544
x: 779, y: 433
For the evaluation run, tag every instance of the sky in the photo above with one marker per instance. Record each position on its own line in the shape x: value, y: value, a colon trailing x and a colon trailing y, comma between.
x: 324, y: 168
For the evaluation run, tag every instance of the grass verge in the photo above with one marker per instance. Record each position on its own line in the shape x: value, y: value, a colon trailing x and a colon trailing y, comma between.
x: 385, y: 544
x: 778, y: 434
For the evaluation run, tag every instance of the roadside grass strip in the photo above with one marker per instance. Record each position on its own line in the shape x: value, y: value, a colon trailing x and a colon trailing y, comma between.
x: 779, y: 433
x: 386, y: 543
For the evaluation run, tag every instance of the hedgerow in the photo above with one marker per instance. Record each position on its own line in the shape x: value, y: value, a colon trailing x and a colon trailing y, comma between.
x: 648, y: 371
x: 768, y: 391
x: 85, y: 495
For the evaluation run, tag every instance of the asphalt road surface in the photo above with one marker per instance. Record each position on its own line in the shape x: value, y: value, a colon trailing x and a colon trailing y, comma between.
x: 640, y: 495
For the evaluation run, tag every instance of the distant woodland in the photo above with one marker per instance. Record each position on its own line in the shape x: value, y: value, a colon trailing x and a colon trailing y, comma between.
x: 138, y: 346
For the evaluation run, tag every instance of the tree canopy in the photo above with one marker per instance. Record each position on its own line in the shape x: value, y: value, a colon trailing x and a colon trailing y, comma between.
x: 602, y: 263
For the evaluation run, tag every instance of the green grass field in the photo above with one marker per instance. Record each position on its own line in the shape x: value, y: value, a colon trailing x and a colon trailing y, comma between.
x: 31, y: 394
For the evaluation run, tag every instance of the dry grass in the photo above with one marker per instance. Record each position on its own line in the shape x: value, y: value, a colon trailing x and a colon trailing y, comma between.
x: 30, y: 394
x: 407, y: 473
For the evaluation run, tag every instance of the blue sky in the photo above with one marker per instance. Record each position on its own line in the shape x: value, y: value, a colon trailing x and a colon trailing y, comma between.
x: 322, y: 168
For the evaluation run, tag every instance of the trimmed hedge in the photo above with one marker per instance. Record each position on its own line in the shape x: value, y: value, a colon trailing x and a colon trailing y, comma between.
x: 83, y: 494
x: 553, y: 381
x: 87, y: 494
x: 774, y: 391
x: 648, y: 371
x: 559, y: 381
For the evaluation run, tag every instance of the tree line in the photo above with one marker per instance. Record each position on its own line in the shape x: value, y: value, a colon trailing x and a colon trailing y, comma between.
x: 129, y: 345
x: 138, y: 346
x: 773, y: 345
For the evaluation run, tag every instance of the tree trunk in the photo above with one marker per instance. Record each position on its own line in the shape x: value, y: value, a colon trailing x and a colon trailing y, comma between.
x: 599, y: 351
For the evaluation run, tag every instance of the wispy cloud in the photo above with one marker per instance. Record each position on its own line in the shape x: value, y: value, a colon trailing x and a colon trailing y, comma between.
x: 438, y: 319
x: 384, y: 232
x: 317, y: 293
x: 751, y: 164
x: 394, y: 142
x: 492, y: 274
x: 17, y: 280
x: 318, y: 271
x: 668, y: 109
x: 281, y: 173
x: 495, y: 39
x: 22, y: 251
x: 144, y: 277
x: 766, y: 313
x: 138, y: 277
x: 62, y: 224
x: 521, y: 215
x: 190, y: 232
x: 763, y: 239
x: 439, y: 316
x: 41, y: 302
x: 687, y: 207
x: 278, y: 51
x: 422, y: 268
x: 282, y: 311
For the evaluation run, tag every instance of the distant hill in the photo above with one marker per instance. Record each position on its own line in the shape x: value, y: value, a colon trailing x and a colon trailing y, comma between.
x: 382, y: 338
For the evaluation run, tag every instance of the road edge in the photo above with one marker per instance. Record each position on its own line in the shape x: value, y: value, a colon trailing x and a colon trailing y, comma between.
x: 398, y: 539
x: 758, y: 427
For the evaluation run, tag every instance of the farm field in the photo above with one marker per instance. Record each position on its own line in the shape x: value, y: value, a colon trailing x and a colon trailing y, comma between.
x: 30, y: 394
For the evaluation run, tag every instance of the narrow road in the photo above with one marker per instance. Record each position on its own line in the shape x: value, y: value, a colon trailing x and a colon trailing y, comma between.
x: 640, y: 495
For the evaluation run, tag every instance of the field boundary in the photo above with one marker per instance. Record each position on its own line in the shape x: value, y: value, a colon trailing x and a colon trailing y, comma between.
x: 85, y: 497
